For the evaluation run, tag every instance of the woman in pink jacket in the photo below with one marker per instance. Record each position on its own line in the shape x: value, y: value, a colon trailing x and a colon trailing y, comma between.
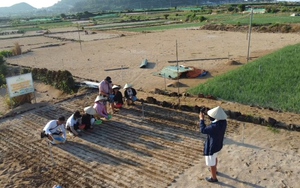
x: 100, y: 108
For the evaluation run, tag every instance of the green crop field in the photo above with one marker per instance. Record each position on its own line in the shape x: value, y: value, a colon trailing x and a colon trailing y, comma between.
x: 271, y: 81
x: 257, y: 19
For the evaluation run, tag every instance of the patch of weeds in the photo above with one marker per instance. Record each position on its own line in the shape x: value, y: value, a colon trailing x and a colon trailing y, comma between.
x: 273, y: 129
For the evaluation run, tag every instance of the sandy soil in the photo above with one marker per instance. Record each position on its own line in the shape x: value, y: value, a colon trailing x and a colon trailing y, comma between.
x: 157, y: 148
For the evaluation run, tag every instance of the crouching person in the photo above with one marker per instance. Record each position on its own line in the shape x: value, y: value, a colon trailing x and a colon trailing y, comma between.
x: 130, y: 94
x: 100, y: 107
x: 55, y: 131
x: 118, y: 97
x: 73, y: 123
x: 88, y: 118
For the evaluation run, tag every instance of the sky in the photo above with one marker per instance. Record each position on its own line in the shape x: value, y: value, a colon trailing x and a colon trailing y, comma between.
x: 34, y: 3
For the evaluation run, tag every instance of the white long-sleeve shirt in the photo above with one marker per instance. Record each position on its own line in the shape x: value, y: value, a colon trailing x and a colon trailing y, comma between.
x: 52, y: 127
x: 71, y: 122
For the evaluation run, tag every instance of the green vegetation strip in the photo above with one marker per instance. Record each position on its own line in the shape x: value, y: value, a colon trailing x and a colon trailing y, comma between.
x: 258, y: 19
x: 271, y: 81
x: 163, y: 27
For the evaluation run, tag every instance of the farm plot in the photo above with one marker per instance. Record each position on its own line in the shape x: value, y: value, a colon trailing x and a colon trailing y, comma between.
x: 127, y: 151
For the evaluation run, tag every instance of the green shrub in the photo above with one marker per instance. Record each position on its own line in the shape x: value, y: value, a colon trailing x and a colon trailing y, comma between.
x: 1, y: 59
x: 2, y: 80
x: 62, y: 80
x: 3, y: 71
x: 6, y: 53
x: 202, y: 18
x: 19, y: 100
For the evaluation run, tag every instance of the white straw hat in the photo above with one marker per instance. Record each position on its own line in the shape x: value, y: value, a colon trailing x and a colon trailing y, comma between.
x: 90, y: 110
x: 127, y: 86
x: 217, y: 113
x: 99, y: 98
x: 116, y: 87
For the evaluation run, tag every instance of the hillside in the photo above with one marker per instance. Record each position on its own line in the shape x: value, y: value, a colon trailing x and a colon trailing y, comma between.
x: 17, y: 9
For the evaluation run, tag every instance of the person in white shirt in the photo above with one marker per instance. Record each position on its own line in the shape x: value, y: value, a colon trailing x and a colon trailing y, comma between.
x: 55, y: 131
x: 73, y: 123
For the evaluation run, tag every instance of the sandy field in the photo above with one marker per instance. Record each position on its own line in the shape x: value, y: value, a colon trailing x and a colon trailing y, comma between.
x: 143, y: 145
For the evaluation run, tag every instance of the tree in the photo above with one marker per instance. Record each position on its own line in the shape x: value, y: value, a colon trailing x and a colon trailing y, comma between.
x: 63, y: 16
x: 3, y: 70
x: 241, y: 7
x: 166, y: 16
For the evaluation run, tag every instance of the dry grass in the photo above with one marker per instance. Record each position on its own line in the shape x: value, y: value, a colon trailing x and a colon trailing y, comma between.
x: 16, y: 49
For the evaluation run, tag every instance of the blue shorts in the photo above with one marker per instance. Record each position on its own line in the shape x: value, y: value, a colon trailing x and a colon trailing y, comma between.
x: 110, y: 98
x: 134, y: 98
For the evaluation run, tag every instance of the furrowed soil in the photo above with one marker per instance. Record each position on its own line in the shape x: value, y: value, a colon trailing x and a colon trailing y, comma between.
x: 143, y: 145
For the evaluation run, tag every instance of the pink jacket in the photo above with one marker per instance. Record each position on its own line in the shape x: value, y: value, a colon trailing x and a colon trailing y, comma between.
x: 100, y: 109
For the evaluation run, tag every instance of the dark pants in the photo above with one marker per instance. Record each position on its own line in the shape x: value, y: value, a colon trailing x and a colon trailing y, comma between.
x: 76, y: 126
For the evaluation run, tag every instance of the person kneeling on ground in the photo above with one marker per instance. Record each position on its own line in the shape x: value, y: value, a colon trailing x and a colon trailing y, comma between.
x: 88, y: 118
x: 100, y: 108
x: 73, y: 123
x: 55, y: 131
x: 118, y: 97
x: 130, y: 94
x: 215, y: 136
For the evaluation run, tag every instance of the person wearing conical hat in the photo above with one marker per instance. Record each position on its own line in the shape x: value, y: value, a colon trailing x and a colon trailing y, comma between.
x: 100, y: 107
x: 130, y: 94
x: 215, y: 136
x: 88, y: 118
x: 118, y: 97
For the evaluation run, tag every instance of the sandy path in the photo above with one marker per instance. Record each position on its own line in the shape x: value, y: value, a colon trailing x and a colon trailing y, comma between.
x: 251, y: 159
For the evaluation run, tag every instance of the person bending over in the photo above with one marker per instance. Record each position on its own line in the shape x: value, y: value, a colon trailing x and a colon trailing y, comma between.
x: 73, y: 123
x: 55, y: 131
x: 99, y: 106
x: 88, y: 118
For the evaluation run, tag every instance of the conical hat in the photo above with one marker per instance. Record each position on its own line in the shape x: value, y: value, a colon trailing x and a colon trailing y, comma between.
x: 127, y: 86
x: 217, y: 113
x: 99, y: 98
x: 90, y: 110
x: 116, y: 87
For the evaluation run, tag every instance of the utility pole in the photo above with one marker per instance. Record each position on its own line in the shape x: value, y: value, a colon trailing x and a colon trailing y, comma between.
x: 249, y: 36
x: 177, y: 73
